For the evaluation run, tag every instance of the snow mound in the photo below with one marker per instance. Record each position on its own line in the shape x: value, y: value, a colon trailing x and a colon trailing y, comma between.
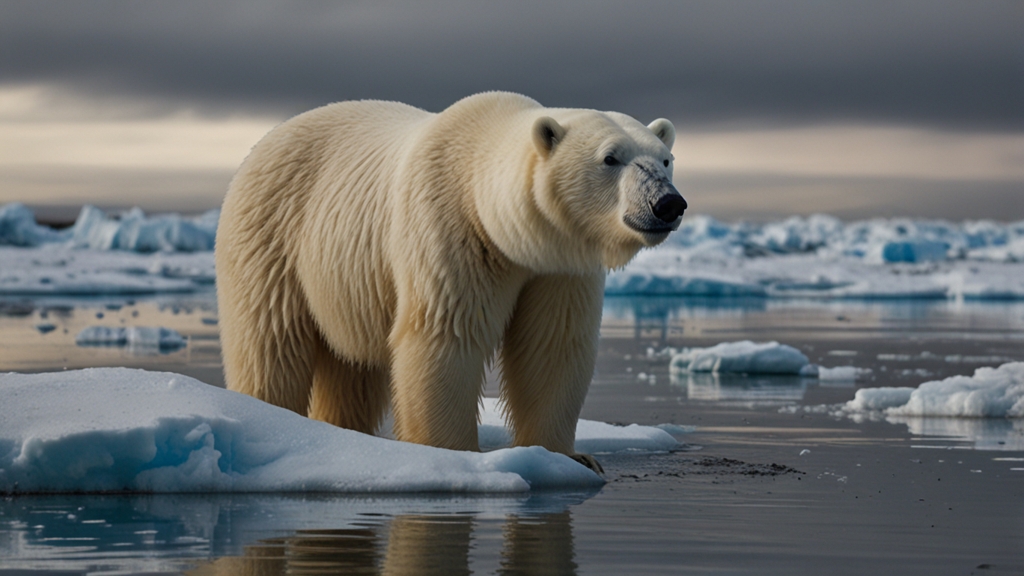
x: 117, y: 429
x: 133, y: 336
x: 745, y: 356
x: 591, y: 437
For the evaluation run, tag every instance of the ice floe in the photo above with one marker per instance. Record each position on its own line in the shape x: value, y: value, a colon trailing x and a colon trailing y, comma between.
x: 742, y: 357
x: 117, y: 429
x: 987, y: 407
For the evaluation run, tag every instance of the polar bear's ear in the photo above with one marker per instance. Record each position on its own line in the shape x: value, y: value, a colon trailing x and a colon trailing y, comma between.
x: 547, y: 133
x: 664, y: 130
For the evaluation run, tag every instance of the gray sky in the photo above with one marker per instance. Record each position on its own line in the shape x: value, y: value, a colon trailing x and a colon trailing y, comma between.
x: 855, y: 108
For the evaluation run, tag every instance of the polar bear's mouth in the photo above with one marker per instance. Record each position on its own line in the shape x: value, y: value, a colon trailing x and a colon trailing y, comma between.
x: 645, y: 226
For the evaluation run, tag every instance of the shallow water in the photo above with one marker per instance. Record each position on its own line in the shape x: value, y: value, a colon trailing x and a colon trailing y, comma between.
x: 758, y: 491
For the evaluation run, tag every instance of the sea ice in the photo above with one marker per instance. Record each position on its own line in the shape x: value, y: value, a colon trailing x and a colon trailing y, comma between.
x: 118, y: 429
x: 746, y: 357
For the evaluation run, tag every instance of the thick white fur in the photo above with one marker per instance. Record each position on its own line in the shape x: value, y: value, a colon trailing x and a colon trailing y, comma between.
x: 371, y: 251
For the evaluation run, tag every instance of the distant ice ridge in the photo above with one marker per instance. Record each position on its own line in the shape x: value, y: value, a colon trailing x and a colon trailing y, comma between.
x: 117, y: 429
x: 878, y: 240
x: 131, y: 230
x: 813, y: 257
x: 134, y: 337
x: 821, y: 257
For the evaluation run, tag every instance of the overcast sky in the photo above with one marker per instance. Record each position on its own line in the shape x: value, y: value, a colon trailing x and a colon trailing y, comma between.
x: 855, y: 108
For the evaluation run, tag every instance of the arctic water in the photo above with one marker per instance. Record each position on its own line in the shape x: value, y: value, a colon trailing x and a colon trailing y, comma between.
x: 756, y: 489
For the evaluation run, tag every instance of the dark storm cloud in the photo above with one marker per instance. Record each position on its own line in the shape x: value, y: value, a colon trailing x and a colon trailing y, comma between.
x: 951, y: 65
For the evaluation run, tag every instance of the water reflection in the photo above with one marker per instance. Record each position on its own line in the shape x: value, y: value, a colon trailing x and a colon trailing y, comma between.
x: 305, y: 534
x: 741, y: 388
x: 981, y: 433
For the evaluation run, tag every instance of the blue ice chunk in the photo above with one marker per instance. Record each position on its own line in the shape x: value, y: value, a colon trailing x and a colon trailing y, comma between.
x: 915, y: 251
x: 18, y: 227
x: 136, y: 232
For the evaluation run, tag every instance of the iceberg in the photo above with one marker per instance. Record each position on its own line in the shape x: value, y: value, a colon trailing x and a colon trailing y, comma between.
x: 18, y: 228
x: 126, y: 430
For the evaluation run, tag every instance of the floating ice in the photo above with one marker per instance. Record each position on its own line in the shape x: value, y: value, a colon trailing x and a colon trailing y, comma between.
x: 841, y: 373
x: 117, y: 429
x: 746, y: 357
x: 989, y: 393
x: 132, y: 336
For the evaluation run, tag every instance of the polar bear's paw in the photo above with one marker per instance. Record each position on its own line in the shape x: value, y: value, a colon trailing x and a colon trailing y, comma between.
x: 588, y: 461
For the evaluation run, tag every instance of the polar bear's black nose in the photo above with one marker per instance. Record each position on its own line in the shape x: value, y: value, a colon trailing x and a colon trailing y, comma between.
x: 669, y: 207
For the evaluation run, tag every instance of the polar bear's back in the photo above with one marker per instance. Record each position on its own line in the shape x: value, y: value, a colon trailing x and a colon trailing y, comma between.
x: 305, y: 223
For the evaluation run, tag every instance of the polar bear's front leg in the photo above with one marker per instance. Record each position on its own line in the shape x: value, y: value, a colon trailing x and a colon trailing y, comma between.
x: 436, y: 384
x: 548, y: 358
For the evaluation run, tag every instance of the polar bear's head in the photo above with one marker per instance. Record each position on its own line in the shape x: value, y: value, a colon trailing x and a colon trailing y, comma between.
x: 606, y: 180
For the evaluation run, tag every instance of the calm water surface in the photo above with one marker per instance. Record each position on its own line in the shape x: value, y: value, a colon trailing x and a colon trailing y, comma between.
x: 756, y: 492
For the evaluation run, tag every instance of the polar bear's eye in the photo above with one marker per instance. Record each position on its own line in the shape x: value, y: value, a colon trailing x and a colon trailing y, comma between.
x: 610, y: 161
x: 665, y: 163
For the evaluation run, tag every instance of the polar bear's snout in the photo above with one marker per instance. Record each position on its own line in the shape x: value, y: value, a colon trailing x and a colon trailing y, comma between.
x: 670, y: 206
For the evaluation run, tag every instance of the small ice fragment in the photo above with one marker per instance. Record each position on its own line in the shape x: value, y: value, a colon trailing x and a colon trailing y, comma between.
x: 842, y: 352
x: 804, y: 451
x: 45, y: 328
x: 847, y: 373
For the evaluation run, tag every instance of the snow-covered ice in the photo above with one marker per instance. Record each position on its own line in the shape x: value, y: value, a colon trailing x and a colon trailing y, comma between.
x: 821, y: 257
x: 132, y: 336
x: 117, y: 429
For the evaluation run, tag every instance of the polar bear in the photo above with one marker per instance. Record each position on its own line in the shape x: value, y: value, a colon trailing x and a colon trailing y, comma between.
x: 371, y: 253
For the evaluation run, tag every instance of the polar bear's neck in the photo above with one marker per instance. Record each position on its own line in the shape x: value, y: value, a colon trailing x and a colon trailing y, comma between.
x: 507, y: 199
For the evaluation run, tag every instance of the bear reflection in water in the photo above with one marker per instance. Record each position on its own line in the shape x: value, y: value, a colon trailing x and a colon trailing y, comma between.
x: 410, y: 544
